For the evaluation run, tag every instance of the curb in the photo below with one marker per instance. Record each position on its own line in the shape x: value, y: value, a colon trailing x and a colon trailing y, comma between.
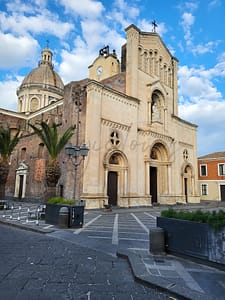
x: 28, y: 228
x: 140, y: 275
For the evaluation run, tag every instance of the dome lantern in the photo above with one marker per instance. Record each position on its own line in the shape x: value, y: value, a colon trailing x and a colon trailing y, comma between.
x: 46, y: 57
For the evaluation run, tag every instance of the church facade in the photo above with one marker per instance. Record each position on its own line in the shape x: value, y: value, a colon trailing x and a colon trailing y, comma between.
x: 140, y: 152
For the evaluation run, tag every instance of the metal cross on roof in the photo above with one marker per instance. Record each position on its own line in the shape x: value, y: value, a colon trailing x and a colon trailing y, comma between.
x: 154, y: 26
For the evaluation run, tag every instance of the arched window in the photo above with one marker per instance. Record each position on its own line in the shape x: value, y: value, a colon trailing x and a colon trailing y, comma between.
x: 34, y: 104
x: 23, y: 153
x: 40, y: 150
x: 114, y: 159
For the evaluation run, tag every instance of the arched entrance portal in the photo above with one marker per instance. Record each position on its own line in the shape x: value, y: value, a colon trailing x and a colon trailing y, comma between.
x: 21, y: 177
x: 158, y: 172
x: 116, y: 177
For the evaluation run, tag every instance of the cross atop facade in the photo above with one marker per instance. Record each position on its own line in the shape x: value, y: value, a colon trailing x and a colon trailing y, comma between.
x: 47, y: 44
x: 154, y: 26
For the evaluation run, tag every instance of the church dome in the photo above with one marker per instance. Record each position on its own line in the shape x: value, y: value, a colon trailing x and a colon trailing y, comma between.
x: 41, y: 87
x: 44, y: 74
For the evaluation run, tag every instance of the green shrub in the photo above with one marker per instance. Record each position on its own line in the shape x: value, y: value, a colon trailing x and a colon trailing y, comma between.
x: 214, y: 219
x: 60, y: 200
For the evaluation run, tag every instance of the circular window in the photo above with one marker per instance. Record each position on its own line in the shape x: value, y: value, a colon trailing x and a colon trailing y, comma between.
x: 114, y: 138
x: 185, y: 154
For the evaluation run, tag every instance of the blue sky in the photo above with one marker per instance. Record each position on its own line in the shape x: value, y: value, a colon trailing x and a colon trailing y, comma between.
x: 193, y: 31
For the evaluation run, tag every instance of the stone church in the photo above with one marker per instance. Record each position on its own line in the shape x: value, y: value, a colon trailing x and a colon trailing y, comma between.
x: 140, y: 152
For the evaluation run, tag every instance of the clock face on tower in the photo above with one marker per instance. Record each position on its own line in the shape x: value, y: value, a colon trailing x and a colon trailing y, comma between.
x: 99, y: 70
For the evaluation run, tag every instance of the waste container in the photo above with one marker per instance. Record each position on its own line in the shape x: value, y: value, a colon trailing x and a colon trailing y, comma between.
x: 156, y: 240
x: 76, y: 216
x: 63, y: 220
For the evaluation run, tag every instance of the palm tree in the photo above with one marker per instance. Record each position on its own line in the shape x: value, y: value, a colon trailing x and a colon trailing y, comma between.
x: 54, y: 144
x: 7, y: 145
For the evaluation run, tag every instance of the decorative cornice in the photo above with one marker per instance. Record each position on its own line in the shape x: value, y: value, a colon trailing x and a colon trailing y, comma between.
x: 155, y: 135
x: 30, y: 115
x: 186, y: 145
x: 183, y: 121
x: 115, y: 125
x: 111, y: 93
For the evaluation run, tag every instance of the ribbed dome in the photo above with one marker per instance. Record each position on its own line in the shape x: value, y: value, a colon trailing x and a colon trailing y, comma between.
x: 44, y: 75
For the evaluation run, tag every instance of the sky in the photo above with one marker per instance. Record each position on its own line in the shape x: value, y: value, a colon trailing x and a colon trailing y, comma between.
x: 75, y: 30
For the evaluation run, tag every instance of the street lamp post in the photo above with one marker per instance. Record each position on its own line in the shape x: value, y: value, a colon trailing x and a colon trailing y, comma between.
x: 73, y: 153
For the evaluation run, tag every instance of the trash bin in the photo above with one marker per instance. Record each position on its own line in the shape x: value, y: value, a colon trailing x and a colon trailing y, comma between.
x: 157, y: 241
x: 76, y: 216
x: 63, y: 221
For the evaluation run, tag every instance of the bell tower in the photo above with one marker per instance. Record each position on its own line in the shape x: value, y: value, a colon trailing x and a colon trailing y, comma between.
x: 105, y: 65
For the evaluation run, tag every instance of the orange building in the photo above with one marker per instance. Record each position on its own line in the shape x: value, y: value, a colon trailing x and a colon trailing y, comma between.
x: 212, y: 176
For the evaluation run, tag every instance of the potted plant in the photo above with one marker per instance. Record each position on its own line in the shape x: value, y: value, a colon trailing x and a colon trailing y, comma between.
x: 71, y: 216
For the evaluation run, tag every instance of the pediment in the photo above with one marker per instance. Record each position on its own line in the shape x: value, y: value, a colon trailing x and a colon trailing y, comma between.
x: 157, y: 85
x: 22, y: 166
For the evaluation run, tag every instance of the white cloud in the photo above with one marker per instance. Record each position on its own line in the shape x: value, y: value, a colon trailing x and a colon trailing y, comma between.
x: 214, y: 3
x: 86, y: 8
x: 26, y: 51
x: 209, y: 116
x: 8, y: 97
x: 20, y: 7
x: 147, y: 26
x: 75, y: 63
x: 126, y: 8
x: 19, y: 24
x: 187, y: 21
x: 196, y: 84
x: 201, y: 103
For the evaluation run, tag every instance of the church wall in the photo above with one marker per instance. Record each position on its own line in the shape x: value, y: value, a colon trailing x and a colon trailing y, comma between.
x: 74, y: 104
x: 27, y: 152
x: 108, y: 112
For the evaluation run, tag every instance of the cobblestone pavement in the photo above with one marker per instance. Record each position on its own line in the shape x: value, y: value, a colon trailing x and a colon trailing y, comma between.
x: 125, y: 233
x: 34, y: 266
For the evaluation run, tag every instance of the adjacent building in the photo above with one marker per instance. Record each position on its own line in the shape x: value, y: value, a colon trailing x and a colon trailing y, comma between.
x: 141, y: 152
x: 212, y: 176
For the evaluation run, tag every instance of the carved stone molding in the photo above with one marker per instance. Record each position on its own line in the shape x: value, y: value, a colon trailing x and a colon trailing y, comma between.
x: 155, y: 135
x: 115, y: 125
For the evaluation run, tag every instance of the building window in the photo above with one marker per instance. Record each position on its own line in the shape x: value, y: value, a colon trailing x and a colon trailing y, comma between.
x: 221, y: 169
x: 114, y: 138
x: 204, y: 189
x: 185, y: 154
x: 23, y: 153
x: 114, y: 160
x: 40, y: 150
x: 203, y: 170
x: 34, y: 104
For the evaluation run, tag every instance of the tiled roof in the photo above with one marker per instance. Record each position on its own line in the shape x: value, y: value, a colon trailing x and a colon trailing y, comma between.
x: 213, y: 155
